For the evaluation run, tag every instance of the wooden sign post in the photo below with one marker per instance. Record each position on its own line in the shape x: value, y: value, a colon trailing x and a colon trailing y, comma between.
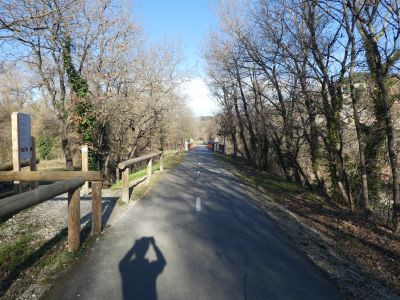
x: 23, y: 146
x: 15, y: 150
x: 33, y: 167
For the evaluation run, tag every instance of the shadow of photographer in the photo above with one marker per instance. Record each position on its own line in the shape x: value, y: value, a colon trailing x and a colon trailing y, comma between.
x: 139, y: 275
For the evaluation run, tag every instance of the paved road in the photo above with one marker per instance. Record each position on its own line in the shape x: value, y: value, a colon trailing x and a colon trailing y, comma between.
x: 194, y: 236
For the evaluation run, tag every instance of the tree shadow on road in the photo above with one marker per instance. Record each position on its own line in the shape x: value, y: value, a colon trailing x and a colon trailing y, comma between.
x: 139, y: 275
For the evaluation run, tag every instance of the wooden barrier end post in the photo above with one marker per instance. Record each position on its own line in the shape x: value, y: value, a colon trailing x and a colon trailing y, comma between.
x: 116, y: 174
x: 149, y: 170
x: 125, y: 185
x: 74, y: 227
x: 85, y: 167
x: 15, y: 150
x: 162, y: 162
x: 97, y: 208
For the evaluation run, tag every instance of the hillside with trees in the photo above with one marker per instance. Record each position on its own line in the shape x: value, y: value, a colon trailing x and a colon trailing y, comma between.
x: 86, y: 73
x: 309, y: 90
x: 309, y: 104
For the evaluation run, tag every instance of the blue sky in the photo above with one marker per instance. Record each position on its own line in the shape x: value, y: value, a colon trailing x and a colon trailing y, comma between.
x: 186, y: 21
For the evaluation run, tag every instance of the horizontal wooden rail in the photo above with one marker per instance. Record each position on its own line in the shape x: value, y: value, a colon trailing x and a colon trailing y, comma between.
x: 9, y: 166
x: 49, y: 175
x: 124, y: 164
x: 14, y: 204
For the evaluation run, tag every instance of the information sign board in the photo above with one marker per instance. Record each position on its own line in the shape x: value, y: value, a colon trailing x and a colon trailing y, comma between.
x: 24, y: 136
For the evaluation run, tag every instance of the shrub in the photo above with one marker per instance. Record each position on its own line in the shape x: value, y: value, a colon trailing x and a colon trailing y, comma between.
x: 45, y: 145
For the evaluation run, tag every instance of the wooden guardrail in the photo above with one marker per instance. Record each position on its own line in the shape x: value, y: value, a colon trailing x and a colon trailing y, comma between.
x: 9, y: 166
x: 68, y: 181
x: 16, y: 203
x: 125, y: 167
x: 49, y: 175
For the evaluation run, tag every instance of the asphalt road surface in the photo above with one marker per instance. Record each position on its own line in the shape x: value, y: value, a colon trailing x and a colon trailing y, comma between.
x: 195, y: 235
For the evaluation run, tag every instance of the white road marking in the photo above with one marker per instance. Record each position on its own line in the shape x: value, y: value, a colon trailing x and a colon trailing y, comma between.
x: 198, y: 204
x: 198, y: 173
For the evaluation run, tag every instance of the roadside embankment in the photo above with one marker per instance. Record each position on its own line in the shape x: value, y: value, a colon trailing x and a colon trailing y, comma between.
x: 361, y: 257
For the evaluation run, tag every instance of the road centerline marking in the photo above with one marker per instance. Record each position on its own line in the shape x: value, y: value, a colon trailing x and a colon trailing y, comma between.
x: 198, y: 204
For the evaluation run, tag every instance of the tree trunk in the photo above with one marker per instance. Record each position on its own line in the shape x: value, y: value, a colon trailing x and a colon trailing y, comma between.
x: 354, y: 100
x: 361, y: 150
x: 241, y: 131
x: 66, y: 147
x: 361, y: 145
x: 253, y: 139
x: 234, y: 141
x: 392, y: 153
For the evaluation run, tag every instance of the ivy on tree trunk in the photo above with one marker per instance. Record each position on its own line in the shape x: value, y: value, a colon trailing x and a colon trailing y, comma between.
x: 82, y: 108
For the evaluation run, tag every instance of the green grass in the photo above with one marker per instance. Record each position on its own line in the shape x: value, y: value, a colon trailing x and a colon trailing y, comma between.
x: 266, y: 180
x: 135, y: 175
x: 258, y: 178
x: 172, y: 160
x: 28, y: 259
x: 58, y: 258
x: 16, y: 251
x: 270, y: 182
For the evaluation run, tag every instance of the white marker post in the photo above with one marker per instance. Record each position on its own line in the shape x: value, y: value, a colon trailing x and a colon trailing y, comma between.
x: 198, y: 204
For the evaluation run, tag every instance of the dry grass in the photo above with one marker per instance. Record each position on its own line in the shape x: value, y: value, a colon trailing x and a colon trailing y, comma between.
x: 55, y: 165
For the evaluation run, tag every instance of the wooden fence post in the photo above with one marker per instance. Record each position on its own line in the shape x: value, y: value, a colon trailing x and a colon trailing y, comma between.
x: 162, y: 162
x: 34, y: 184
x: 97, y: 208
x: 85, y: 167
x: 74, y: 226
x: 125, y: 185
x: 149, y: 169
